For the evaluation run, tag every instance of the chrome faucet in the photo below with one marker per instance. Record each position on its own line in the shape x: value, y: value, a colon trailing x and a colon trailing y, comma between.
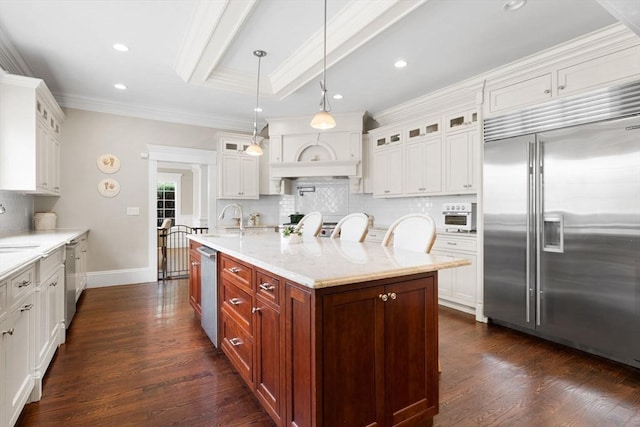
x: 239, y: 208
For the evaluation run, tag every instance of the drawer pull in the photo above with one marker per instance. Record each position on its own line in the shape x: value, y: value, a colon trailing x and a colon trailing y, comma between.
x: 255, y: 310
x: 195, y: 263
x: 9, y: 332
x: 452, y: 243
x: 235, y: 342
x: 26, y: 307
x: 234, y: 270
x: 24, y: 283
x: 235, y: 301
x: 267, y: 287
x: 53, y: 283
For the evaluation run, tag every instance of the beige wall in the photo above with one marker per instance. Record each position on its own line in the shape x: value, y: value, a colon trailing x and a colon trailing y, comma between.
x: 116, y: 241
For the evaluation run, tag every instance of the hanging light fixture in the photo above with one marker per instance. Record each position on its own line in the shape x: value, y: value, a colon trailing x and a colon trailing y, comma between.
x: 254, y: 149
x: 323, y: 119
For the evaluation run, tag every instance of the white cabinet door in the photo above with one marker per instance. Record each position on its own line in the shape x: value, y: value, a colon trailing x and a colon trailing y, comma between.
x: 423, y: 167
x: 607, y: 70
x: 41, y: 314
x: 526, y: 92
x: 464, y: 285
x: 18, y: 359
x: 81, y: 266
x: 4, y: 339
x: 459, y: 162
x: 387, y: 172
x: 239, y: 177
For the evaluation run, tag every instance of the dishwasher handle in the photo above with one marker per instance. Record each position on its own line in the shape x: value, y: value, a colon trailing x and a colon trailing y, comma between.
x: 207, y: 252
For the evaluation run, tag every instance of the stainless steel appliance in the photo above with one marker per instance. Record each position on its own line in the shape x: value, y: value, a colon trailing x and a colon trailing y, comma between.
x: 327, y: 228
x: 209, y: 293
x: 71, y: 276
x: 459, y: 216
x: 562, y: 224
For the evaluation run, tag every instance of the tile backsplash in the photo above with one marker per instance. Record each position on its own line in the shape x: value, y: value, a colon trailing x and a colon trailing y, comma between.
x: 19, y: 213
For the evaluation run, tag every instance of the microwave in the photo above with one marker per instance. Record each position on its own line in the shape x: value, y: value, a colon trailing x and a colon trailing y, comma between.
x: 459, y: 216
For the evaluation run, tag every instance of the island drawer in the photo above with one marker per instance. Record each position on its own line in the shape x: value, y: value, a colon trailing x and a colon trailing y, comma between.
x: 235, y: 271
x: 238, y: 346
x: 237, y: 304
x: 268, y: 287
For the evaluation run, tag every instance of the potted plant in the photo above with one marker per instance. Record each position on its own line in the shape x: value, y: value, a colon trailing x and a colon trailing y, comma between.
x: 292, y: 234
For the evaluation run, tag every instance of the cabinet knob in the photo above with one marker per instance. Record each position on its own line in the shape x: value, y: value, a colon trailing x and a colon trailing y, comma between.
x: 561, y: 87
x: 383, y: 297
x: 9, y: 332
x: 235, y: 301
x: 267, y: 287
x: 26, y: 307
x: 393, y: 295
x: 235, y: 342
x: 547, y: 91
x: 255, y: 310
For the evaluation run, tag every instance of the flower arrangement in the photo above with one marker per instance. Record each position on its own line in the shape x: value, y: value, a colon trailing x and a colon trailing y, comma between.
x: 289, y: 230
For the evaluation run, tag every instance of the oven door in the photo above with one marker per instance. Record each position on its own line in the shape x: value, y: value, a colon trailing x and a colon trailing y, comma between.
x: 457, y: 221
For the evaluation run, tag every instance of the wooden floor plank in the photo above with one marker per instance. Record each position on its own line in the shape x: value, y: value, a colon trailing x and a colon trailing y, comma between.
x: 136, y: 356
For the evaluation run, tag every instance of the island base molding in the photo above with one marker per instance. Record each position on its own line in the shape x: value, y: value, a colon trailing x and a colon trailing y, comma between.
x: 357, y: 354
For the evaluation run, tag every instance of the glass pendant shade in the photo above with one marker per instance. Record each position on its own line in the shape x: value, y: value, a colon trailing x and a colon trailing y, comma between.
x: 323, y: 120
x: 254, y: 149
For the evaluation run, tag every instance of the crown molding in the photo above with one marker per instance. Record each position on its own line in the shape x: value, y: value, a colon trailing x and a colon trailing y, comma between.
x: 154, y: 113
x: 10, y: 59
x: 353, y: 26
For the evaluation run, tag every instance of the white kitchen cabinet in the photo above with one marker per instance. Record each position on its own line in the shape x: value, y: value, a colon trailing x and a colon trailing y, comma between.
x: 238, y: 176
x: 49, y: 315
x: 30, y: 128
x: 423, y: 163
x: 461, y: 121
x: 520, y: 93
x: 458, y: 287
x: 578, y: 75
x: 17, y: 347
x: 606, y: 70
x: 462, y: 162
x: 388, y: 139
x: 387, y: 172
x: 423, y: 128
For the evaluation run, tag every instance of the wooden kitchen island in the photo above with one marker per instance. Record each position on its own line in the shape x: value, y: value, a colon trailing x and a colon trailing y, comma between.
x: 330, y: 333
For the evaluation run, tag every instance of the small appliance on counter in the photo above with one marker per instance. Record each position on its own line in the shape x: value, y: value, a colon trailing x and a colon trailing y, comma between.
x: 460, y: 217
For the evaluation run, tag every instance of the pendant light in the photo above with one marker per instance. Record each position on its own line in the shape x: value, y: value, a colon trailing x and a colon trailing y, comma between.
x: 254, y: 149
x: 323, y: 119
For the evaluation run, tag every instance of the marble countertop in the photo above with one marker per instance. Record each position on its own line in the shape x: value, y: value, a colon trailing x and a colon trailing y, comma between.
x: 321, y: 262
x: 19, y: 250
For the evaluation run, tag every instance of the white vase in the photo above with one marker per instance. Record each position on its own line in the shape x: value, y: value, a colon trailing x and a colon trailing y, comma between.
x: 292, y: 239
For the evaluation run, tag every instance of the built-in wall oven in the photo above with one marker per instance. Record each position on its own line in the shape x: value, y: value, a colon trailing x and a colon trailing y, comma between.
x: 459, y: 216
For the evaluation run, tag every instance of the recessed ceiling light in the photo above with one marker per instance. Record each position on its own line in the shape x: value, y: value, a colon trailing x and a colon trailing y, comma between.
x: 401, y: 63
x: 120, y: 47
x: 119, y: 86
x: 513, y: 5
x: 337, y: 96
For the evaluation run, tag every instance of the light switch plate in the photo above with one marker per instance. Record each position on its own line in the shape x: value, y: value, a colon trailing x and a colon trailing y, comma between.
x: 133, y: 211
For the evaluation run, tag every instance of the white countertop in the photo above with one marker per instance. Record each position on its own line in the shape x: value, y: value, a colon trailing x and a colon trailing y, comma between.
x: 33, y: 245
x: 322, y: 262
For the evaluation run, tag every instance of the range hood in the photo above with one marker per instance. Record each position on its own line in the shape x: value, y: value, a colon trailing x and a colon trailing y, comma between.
x: 299, y: 151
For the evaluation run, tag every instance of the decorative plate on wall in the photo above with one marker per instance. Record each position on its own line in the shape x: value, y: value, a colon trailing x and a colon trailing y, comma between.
x: 108, y: 163
x: 108, y: 187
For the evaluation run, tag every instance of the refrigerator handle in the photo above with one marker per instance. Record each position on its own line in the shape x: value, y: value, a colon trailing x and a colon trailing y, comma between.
x: 539, y: 209
x: 530, y: 212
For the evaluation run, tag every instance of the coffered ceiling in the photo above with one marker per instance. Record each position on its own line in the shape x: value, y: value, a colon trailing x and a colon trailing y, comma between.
x: 191, y: 61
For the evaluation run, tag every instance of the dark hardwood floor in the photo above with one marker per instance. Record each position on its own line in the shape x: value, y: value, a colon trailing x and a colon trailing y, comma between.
x: 135, y: 356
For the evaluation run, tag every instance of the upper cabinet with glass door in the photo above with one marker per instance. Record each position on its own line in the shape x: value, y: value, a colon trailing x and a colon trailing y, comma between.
x: 238, y: 172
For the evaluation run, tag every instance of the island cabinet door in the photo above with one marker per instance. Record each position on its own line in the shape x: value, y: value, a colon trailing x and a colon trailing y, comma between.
x: 194, y: 279
x: 353, y: 358
x: 411, y: 352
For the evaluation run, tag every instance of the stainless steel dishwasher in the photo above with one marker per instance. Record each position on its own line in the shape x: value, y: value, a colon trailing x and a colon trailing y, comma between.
x: 70, y: 279
x: 209, y: 293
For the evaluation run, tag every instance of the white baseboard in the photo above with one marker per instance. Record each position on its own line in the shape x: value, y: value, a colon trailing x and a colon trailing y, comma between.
x: 101, y: 279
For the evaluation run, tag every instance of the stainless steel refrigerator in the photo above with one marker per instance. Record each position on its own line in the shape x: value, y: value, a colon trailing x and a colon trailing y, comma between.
x: 562, y: 229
